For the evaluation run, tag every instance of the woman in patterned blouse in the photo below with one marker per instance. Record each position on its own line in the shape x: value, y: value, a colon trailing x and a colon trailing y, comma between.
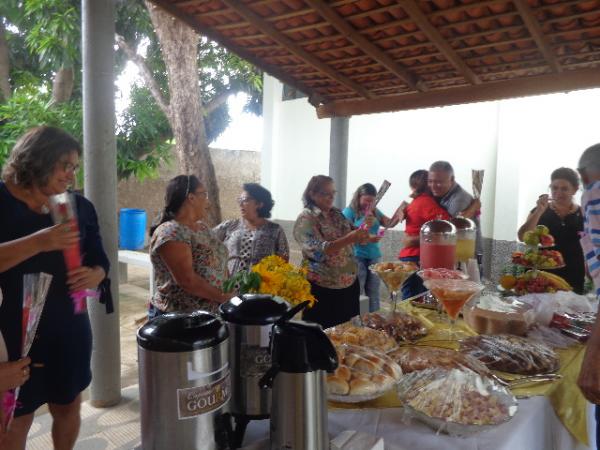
x: 326, y: 238
x: 190, y: 263
x: 252, y: 237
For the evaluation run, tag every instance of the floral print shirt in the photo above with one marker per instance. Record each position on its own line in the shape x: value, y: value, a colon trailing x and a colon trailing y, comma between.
x: 314, y: 230
x: 209, y: 259
x: 247, y: 247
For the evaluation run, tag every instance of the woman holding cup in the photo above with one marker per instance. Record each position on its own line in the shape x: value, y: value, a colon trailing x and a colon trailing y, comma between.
x: 559, y: 212
x: 326, y: 238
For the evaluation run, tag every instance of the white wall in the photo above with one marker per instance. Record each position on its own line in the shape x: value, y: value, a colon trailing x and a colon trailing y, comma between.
x: 518, y: 143
x: 296, y: 147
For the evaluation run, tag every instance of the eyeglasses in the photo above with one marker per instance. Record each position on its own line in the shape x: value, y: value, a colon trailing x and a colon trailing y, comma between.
x: 329, y: 194
x: 203, y: 194
x: 243, y: 200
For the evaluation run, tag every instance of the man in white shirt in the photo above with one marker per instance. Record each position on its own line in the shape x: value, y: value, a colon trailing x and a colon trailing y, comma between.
x: 589, y: 169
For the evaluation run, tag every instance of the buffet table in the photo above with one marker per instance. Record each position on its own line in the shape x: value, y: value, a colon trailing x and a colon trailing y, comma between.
x: 534, y: 427
x: 551, y: 416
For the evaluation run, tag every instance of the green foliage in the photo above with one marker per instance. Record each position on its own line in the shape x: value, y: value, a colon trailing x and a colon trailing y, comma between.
x: 28, y: 108
x: 143, y: 137
x: 246, y: 282
x: 55, y: 32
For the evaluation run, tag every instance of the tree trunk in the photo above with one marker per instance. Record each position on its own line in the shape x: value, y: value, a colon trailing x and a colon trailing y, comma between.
x: 62, y: 86
x: 5, y: 90
x: 179, y: 46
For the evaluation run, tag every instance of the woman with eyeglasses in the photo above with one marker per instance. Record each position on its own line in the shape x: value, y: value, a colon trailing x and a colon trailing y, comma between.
x: 189, y: 261
x: 43, y: 163
x: 252, y: 237
x: 327, y: 238
x: 563, y: 217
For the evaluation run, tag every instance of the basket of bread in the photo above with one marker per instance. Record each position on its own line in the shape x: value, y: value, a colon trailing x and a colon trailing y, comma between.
x: 456, y: 401
x: 363, y: 374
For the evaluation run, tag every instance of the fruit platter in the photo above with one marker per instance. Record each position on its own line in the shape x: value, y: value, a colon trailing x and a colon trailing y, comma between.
x: 541, y: 259
x: 532, y: 282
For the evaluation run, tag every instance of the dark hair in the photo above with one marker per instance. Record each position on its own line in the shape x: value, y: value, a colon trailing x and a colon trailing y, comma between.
x: 364, y: 189
x: 564, y: 173
x: 314, y: 185
x: 418, y: 181
x: 442, y: 166
x: 177, y: 191
x: 34, y: 156
x: 261, y: 195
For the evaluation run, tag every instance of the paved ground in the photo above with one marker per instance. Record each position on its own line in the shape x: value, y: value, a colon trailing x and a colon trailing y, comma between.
x: 116, y: 428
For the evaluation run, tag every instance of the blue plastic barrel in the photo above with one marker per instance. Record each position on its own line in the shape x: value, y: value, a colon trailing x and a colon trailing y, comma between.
x: 132, y: 228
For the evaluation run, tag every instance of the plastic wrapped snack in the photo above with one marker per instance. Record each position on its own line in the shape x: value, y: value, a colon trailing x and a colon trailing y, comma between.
x: 348, y: 333
x: 495, y: 315
x: 412, y: 359
x: 512, y: 354
x: 456, y: 401
x: 363, y: 374
x: 399, y: 325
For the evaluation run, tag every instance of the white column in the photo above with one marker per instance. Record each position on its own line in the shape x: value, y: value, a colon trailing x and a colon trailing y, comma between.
x: 100, y: 183
x: 338, y: 157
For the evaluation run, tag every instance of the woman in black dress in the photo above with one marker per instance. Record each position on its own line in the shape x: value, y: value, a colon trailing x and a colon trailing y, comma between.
x: 564, y: 219
x: 43, y: 163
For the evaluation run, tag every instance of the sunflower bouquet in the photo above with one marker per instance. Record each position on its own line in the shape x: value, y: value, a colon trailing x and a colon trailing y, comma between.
x: 273, y: 275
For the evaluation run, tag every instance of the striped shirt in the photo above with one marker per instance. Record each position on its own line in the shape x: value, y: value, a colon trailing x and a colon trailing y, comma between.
x: 590, y: 238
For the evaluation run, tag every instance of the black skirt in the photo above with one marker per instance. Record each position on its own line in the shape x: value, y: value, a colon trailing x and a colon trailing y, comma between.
x: 333, y: 306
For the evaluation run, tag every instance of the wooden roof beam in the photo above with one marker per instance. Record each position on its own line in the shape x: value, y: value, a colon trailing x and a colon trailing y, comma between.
x: 498, y: 90
x: 413, y: 10
x: 535, y: 30
x: 367, y: 47
x: 293, y: 47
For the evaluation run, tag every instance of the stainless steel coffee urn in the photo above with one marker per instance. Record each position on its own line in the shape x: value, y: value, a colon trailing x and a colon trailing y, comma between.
x: 184, y: 382
x: 250, y: 319
x: 301, y: 356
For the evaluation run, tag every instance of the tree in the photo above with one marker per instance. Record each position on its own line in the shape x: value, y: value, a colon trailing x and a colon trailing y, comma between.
x: 42, y: 38
x: 193, y: 91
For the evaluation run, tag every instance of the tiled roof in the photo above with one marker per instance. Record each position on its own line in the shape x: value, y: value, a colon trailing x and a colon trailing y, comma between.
x: 361, y: 56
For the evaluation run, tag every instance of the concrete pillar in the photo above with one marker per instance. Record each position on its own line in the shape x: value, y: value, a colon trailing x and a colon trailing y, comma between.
x: 338, y: 158
x: 100, y: 184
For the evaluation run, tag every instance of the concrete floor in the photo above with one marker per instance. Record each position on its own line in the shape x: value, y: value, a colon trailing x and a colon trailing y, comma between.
x: 116, y: 428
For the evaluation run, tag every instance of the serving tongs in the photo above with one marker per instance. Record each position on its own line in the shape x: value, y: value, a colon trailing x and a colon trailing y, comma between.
x: 540, y: 378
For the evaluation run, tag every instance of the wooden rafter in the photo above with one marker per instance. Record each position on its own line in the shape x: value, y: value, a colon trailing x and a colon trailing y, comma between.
x: 367, y: 47
x: 537, y: 34
x: 293, y: 47
x: 535, y: 85
x: 412, y: 9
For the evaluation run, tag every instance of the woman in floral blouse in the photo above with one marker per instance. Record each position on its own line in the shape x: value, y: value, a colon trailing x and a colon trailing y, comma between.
x: 252, y: 237
x: 190, y: 263
x: 326, y: 238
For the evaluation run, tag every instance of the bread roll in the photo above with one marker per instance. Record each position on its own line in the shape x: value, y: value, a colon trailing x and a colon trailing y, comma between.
x: 343, y: 372
x: 363, y: 387
x: 366, y: 366
x: 337, y: 386
x: 351, y: 359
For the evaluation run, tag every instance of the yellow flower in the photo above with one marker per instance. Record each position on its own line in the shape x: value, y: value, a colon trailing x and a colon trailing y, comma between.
x: 283, y: 279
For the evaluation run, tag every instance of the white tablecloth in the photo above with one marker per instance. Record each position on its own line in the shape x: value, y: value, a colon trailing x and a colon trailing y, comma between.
x: 534, y: 427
